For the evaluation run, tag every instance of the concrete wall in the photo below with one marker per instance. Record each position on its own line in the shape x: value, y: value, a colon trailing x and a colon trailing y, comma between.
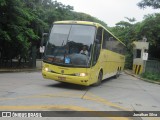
x: 141, y: 45
x: 39, y: 63
x: 138, y: 63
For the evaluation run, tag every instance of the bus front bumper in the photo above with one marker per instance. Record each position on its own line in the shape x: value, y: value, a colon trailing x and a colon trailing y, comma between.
x: 67, y: 78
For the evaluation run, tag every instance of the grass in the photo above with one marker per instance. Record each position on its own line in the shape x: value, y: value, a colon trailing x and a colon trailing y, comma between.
x: 151, y: 76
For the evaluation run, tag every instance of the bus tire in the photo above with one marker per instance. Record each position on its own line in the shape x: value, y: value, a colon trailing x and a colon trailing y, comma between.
x: 117, y: 74
x: 99, y: 80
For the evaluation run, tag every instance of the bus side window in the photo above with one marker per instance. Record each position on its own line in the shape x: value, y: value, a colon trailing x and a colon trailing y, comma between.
x: 109, y: 43
x: 120, y: 48
x: 105, y: 38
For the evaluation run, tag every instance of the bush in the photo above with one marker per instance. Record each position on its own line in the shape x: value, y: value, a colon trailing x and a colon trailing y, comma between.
x: 151, y: 76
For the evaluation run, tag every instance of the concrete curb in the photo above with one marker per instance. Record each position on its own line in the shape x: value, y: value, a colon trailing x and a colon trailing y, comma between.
x: 136, y: 76
x: 19, y: 70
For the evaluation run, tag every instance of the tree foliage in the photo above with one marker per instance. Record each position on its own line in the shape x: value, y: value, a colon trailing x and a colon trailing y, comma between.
x: 129, y: 32
x: 150, y: 28
x: 23, y: 22
x: 149, y: 3
x: 14, y: 29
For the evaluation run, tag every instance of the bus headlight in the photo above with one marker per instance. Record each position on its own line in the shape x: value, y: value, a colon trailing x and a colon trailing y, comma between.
x: 81, y: 74
x: 47, y: 69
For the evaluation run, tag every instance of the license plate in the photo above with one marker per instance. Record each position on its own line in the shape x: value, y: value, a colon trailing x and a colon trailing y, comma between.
x: 62, y: 78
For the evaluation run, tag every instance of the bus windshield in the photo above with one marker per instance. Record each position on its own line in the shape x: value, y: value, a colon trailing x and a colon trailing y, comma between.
x: 70, y: 45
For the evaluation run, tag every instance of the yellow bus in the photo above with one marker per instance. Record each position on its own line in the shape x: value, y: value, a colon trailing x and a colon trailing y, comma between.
x: 82, y: 52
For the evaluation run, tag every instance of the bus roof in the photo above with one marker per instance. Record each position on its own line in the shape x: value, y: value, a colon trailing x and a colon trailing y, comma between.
x: 86, y: 23
x: 78, y: 22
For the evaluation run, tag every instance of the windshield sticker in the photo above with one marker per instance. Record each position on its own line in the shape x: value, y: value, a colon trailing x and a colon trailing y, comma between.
x: 67, y: 60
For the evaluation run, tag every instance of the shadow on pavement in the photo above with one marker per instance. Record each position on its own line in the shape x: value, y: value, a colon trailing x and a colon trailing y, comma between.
x: 69, y: 86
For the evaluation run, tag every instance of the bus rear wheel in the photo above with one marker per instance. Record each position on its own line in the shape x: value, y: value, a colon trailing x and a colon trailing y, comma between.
x: 99, y: 80
x: 117, y: 74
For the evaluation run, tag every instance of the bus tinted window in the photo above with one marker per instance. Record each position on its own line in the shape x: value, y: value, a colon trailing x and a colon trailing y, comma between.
x: 105, y: 37
x: 111, y: 43
x: 99, y: 34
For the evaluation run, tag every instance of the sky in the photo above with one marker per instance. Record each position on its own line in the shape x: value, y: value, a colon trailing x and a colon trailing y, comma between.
x: 110, y: 11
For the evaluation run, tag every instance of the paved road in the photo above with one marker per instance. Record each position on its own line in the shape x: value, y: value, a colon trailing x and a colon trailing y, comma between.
x: 29, y: 91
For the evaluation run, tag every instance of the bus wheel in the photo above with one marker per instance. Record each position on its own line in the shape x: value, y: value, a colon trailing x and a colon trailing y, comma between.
x: 117, y: 74
x: 99, y: 79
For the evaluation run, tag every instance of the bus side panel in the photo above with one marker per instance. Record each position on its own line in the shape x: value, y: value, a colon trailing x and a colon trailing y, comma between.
x: 111, y: 62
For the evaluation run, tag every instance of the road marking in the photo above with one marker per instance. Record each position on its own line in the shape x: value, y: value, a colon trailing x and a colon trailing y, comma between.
x: 90, y: 97
x: 98, y: 99
x: 62, y: 94
x: 44, y: 107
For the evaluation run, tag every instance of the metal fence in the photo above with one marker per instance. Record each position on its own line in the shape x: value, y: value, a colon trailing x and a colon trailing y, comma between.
x: 153, y: 66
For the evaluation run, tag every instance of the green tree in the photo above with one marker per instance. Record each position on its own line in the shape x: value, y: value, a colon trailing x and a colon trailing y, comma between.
x: 149, y: 28
x: 149, y: 3
x: 23, y: 22
x: 15, y: 32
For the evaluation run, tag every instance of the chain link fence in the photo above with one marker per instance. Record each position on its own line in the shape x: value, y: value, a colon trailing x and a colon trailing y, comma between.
x: 153, y: 66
